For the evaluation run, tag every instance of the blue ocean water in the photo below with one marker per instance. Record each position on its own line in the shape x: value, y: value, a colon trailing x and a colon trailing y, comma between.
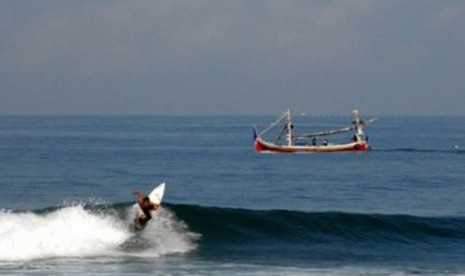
x: 66, y: 204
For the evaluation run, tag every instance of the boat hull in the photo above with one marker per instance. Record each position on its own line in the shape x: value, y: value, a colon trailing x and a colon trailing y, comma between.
x: 263, y: 146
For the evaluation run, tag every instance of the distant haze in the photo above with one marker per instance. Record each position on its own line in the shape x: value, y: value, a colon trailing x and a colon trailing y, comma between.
x: 232, y: 57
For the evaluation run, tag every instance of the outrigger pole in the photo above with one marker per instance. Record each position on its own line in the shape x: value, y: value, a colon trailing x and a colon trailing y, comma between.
x: 284, y: 115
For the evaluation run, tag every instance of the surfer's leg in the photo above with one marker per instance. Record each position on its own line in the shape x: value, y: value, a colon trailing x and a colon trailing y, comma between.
x: 140, y: 221
x: 147, y: 214
x: 146, y: 219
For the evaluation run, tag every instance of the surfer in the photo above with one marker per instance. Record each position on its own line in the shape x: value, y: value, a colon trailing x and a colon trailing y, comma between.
x: 146, y: 206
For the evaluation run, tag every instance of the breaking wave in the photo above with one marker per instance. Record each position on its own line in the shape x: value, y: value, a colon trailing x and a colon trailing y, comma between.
x: 87, y: 231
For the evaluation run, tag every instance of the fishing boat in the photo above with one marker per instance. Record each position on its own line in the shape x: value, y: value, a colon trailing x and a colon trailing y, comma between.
x: 289, y: 142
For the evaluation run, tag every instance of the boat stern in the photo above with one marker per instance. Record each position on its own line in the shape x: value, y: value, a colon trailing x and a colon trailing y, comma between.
x: 256, y: 143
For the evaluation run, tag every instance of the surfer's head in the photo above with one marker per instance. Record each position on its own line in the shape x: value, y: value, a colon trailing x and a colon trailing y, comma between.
x: 146, y: 198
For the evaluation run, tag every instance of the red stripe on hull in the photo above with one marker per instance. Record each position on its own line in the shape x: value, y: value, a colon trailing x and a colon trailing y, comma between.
x: 262, y: 146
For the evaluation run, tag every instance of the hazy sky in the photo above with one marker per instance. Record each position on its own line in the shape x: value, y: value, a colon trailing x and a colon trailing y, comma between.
x: 205, y: 57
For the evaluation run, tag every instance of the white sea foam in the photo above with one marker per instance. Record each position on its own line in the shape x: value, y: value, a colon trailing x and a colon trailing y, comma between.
x: 165, y: 234
x: 74, y: 231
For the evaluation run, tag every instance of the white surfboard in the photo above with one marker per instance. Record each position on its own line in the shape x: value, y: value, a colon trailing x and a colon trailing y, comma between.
x: 155, y: 196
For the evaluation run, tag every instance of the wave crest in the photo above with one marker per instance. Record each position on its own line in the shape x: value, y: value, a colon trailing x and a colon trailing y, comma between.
x: 80, y: 231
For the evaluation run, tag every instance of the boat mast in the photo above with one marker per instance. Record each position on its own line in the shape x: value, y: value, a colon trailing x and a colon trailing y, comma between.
x: 289, y: 128
x: 358, y: 124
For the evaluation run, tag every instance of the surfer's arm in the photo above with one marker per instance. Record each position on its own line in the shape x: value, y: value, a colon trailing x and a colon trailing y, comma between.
x: 140, y: 197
